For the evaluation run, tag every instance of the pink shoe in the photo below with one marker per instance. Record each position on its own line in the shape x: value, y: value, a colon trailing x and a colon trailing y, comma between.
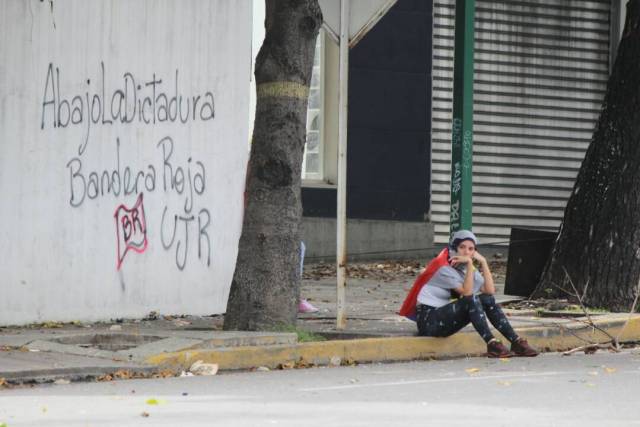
x: 305, y: 307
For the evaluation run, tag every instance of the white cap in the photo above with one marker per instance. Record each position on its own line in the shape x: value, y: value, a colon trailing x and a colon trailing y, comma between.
x: 461, y: 235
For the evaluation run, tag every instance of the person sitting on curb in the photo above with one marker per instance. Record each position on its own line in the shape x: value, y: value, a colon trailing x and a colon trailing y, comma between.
x: 428, y: 302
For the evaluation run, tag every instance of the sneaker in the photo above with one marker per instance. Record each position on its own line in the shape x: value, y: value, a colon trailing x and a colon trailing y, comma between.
x: 495, y: 348
x: 521, y: 348
x: 306, y: 307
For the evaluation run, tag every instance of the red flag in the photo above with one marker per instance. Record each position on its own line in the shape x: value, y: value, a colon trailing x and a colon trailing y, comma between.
x: 408, y: 308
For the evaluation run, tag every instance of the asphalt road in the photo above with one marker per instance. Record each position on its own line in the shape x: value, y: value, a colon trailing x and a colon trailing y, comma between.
x: 550, y: 390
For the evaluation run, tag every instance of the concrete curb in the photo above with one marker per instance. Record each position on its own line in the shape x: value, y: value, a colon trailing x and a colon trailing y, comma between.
x: 545, y: 338
x: 73, y: 373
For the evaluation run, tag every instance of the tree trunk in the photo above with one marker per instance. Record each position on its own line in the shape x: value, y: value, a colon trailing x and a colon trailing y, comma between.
x: 266, y: 282
x: 599, y: 240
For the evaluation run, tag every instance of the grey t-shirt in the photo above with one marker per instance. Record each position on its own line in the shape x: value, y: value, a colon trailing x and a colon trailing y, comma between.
x: 437, y: 291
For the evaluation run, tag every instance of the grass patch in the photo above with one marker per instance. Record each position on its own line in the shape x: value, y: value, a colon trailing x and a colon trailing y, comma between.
x: 590, y: 310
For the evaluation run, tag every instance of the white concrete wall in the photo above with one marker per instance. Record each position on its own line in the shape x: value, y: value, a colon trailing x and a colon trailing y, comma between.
x: 70, y: 168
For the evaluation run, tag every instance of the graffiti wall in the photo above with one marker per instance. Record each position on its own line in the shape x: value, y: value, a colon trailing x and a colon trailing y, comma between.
x: 123, y: 147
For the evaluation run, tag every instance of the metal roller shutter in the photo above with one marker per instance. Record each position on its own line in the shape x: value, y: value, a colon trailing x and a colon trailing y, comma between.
x: 541, y: 69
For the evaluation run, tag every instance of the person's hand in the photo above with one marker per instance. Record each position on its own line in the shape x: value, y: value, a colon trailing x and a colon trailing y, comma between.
x: 482, y: 260
x: 460, y: 260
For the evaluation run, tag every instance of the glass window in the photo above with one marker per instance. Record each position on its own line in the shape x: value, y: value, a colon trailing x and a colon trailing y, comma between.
x: 312, y: 163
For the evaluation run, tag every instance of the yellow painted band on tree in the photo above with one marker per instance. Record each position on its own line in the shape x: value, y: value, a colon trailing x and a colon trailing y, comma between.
x: 283, y: 90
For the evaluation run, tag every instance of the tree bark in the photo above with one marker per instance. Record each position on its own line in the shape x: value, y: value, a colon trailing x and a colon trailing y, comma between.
x: 599, y: 240
x: 265, y: 287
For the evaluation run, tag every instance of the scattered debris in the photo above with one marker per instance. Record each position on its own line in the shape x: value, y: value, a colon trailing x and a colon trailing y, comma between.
x: 62, y: 381
x: 167, y: 373
x: 105, y: 378
x: 52, y: 325
x: 153, y: 315
x: 262, y: 369
x: 115, y: 328
x: 287, y: 365
x: 125, y: 374
x: 335, y: 361
x: 303, y: 364
x: 181, y: 323
x: 348, y: 362
x: 385, y: 271
x: 144, y: 414
x: 201, y: 368
x: 472, y: 370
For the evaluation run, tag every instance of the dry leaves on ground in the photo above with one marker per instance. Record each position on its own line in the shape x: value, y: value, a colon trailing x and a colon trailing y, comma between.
x: 388, y: 270
x: 382, y: 270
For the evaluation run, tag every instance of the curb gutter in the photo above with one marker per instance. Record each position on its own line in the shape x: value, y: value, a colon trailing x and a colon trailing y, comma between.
x: 546, y: 338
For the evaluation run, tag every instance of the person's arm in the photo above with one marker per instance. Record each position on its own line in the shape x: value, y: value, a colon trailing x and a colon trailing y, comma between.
x: 467, y: 285
x: 489, y: 287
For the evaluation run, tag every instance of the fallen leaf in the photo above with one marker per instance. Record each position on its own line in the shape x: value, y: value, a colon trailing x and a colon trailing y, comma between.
x: 303, y: 364
x: 505, y: 383
x: 3, y: 383
x: 287, y: 365
x: 145, y: 414
x: 472, y: 370
x: 504, y: 359
x: 62, y: 381
x: 348, y: 362
x: 609, y: 370
x: 52, y: 325
x: 166, y: 373
x: 122, y: 374
x: 104, y: 378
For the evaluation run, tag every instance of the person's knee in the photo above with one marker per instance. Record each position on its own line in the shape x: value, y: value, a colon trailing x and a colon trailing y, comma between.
x: 472, y: 303
x: 487, y: 300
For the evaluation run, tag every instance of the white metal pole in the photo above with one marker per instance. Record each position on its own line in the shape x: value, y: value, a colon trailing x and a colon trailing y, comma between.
x: 341, y: 221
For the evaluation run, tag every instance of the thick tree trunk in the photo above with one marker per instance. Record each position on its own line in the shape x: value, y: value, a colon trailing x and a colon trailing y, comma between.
x: 266, y: 282
x: 599, y: 240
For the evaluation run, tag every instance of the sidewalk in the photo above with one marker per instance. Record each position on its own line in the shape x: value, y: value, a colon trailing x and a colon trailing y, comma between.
x: 166, y: 345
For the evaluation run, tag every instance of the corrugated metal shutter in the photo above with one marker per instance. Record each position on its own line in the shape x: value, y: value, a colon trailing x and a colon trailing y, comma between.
x: 541, y: 69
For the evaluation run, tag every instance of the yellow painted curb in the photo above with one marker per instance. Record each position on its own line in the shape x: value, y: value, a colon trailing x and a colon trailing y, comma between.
x: 547, y: 338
